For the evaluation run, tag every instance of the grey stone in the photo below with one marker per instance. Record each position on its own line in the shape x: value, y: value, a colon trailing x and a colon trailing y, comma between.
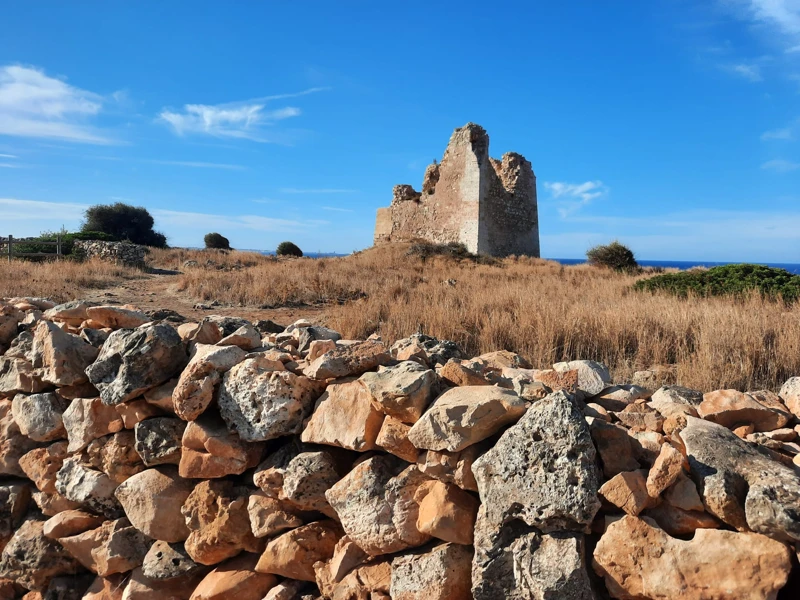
x: 96, y: 337
x: 60, y: 357
x: 593, y: 377
x: 306, y: 479
x: 402, y: 391
x: 317, y: 332
x: 89, y: 488
x: 133, y: 361
x: 40, y: 416
x: 158, y: 440
x: 437, y: 351
x: 441, y: 573
x: 15, y: 496
x: 21, y: 347
x: 167, y: 561
x: 740, y: 485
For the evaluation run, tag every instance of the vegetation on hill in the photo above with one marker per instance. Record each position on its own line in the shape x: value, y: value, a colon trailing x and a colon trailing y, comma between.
x: 288, y: 249
x: 217, y: 241
x: 124, y: 222
x: 727, y: 280
x: 68, y: 240
x: 457, y: 250
x: 613, y: 256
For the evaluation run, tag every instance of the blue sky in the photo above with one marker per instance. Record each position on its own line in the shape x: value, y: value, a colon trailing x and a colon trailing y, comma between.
x: 672, y: 125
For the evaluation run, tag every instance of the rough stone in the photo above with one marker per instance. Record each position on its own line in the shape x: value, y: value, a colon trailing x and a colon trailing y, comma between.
x: 141, y: 588
x: 114, y: 455
x: 640, y: 417
x: 86, y: 419
x: 636, y: 559
x: 452, y: 467
x: 32, y: 559
x: 790, y: 394
x: 593, y: 377
x: 15, y: 496
x: 679, y: 522
x: 306, y: 479
x: 119, y: 253
x: 349, y: 360
x: 740, y: 485
x: 195, y: 388
x: 210, y: 450
x: 158, y: 440
x: 665, y: 471
x: 116, y: 317
x: 133, y: 361
x: 64, y: 357
x: 731, y: 407
x: 136, y: 411
x: 344, y: 416
x: 152, y: 501
x: 167, y: 560
x: 426, y: 350
x: 270, y: 516
x: 261, y: 403
x: 457, y: 373
x: 376, y: 506
x: 466, y: 415
x: 105, y: 588
x: 446, y: 512
x: 236, y: 578
x: 309, y: 335
x: 393, y: 437
x: 627, y: 491
x: 13, y: 445
x: 402, y: 391
x: 293, y: 554
x: 671, y: 399
x: 371, y: 580
x: 89, y: 488
x: 114, y: 547
x: 17, y: 375
x: 40, y: 416
x: 442, y: 573
x: 614, y: 446
x: 70, y: 522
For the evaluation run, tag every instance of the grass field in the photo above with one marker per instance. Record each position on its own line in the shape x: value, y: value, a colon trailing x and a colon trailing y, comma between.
x: 544, y: 311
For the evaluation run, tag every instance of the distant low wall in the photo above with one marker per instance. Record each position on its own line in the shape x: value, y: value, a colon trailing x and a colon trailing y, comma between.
x: 123, y: 253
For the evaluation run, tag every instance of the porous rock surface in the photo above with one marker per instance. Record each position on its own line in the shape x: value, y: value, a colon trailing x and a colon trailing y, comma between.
x: 227, y: 459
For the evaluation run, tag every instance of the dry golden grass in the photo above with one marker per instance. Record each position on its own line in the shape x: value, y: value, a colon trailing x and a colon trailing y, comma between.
x: 60, y: 280
x: 544, y: 311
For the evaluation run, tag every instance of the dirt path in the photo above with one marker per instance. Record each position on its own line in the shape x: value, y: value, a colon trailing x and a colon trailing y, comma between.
x: 158, y: 290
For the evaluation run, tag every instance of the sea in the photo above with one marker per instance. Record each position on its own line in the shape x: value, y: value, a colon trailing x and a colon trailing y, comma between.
x: 685, y: 264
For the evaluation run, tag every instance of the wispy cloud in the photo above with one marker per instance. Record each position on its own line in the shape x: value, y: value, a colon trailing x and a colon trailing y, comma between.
x: 786, y: 133
x: 7, y: 156
x: 317, y: 191
x: 33, y: 104
x: 780, y: 18
x: 574, y: 196
x: 780, y: 165
x: 750, y: 72
x: 336, y: 209
x: 210, y: 221
x: 9, y: 166
x: 198, y: 165
x: 35, y: 210
x: 247, y: 119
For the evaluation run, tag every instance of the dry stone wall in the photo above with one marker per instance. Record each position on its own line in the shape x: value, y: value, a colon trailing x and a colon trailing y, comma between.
x: 218, y: 459
x: 488, y: 205
x: 123, y: 253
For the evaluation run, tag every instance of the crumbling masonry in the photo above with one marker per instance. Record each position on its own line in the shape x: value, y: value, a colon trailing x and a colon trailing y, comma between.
x: 489, y: 205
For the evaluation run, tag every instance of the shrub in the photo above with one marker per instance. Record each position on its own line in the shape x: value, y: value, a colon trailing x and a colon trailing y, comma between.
x: 727, y: 280
x: 457, y: 250
x: 68, y: 240
x: 614, y: 256
x: 124, y: 223
x: 215, y: 240
x: 288, y: 249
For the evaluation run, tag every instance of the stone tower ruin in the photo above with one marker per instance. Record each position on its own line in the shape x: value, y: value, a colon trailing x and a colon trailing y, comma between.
x: 489, y: 205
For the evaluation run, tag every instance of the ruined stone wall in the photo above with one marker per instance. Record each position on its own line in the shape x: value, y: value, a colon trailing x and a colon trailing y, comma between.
x: 488, y: 205
x: 121, y: 253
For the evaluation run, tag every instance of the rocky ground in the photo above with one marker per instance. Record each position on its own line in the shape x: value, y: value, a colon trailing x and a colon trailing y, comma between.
x: 146, y: 455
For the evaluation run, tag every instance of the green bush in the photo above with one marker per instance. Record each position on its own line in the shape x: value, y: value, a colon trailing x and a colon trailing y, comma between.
x: 216, y: 240
x: 288, y: 249
x: 613, y: 256
x: 68, y: 240
x: 727, y: 280
x: 457, y: 250
x: 124, y: 223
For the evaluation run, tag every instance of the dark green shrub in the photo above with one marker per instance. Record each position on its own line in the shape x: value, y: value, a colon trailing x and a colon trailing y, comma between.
x: 456, y: 250
x: 215, y: 240
x: 124, y: 223
x: 68, y: 240
x: 727, y: 280
x: 614, y: 256
x: 288, y: 249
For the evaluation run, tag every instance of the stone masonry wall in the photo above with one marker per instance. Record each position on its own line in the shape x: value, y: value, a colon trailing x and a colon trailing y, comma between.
x: 488, y: 205
x: 230, y: 460
x: 124, y: 253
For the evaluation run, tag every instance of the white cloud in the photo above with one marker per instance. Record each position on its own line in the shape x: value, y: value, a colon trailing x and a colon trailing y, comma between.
x: 210, y: 221
x: 749, y: 72
x: 574, y: 196
x: 247, y: 119
x: 780, y: 165
x: 7, y: 156
x: 198, y: 165
x: 780, y: 18
x: 32, y: 104
x: 9, y: 166
x: 34, y: 210
x: 317, y: 191
x: 336, y: 209
x: 778, y: 134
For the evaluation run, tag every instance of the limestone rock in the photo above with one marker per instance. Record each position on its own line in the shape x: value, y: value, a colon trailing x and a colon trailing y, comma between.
x: 344, y: 416
x: 114, y: 547
x: 53, y: 504
x: 270, y: 516
x: 152, y: 501
x: 393, y: 437
x: 161, y: 396
x: 158, y: 440
x: 637, y: 559
x: 319, y: 347
x: 541, y: 470
x: 269, y: 474
x: 115, y: 456
x: 402, y: 391
x: 308, y: 335
x: 375, y: 504
x: 246, y: 337
x: 614, y: 446
x: 731, y: 407
x: 133, y: 361
x: 628, y: 491
x: 293, y: 554
x: 306, y: 479
x: 32, y: 560
x: 15, y: 496
x: 641, y: 417
x: 210, y: 450
x: 443, y: 573
x: 346, y: 361
x: 261, y: 403
x: 13, y: 445
x: 446, y: 512
x: 740, y: 485
x: 166, y: 560
x: 455, y: 372
x: 671, y: 399
x: 235, y: 578
x: 105, y: 588
x: 790, y: 394
x: 116, y: 317
x: 64, y: 357
x: 678, y: 522
x: 452, y: 467
x: 141, y: 588
x: 89, y: 488
x: 522, y: 563
x: 86, y: 419
x: 371, y: 580
x: 69, y: 523
x: 346, y: 557
x: 683, y: 494
x: 435, y: 352
x: 136, y: 411
x: 216, y: 515
x: 466, y: 415
x: 665, y: 471
x: 18, y: 375
x: 593, y: 377
x: 195, y: 388
x: 74, y: 310
x: 40, y: 416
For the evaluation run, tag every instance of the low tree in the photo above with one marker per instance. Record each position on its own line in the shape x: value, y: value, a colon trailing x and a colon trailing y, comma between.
x: 216, y: 240
x: 613, y: 256
x: 124, y: 223
x: 288, y: 249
